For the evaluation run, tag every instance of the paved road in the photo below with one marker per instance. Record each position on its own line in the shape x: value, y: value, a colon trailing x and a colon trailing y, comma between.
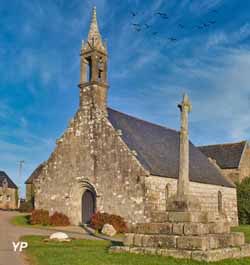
x: 10, y: 233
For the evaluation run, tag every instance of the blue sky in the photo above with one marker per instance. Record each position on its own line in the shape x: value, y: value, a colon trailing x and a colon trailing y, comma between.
x: 39, y: 70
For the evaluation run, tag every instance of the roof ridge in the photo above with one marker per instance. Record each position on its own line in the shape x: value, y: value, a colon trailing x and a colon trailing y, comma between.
x: 225, y: 144
x: 140, y: 119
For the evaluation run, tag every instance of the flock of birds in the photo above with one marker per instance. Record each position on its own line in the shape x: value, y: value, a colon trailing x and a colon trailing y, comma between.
x: 138, y: 27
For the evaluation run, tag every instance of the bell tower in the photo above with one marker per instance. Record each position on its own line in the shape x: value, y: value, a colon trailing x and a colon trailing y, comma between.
x: 93, y: 73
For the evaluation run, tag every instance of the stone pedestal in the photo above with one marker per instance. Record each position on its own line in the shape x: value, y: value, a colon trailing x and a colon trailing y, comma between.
x: 192, y: 235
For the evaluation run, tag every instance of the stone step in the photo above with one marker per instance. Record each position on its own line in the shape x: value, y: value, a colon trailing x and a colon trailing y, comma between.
x: 207, y: 255
x: 205, y: 242
x: 212, y: 241
x: 193, y: 217
x: 200, y: 217
x: 159, y: 217
x: 181, y: 228
x: 142, y: 240
x: 153, y: 228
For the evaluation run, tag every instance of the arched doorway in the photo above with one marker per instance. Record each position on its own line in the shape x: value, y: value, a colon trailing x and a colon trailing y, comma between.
x: 88, y: 206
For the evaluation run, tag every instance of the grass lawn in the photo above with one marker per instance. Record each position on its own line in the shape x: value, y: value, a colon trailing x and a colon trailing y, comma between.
x: 91, y: 252
x: 23, y: 220
x: 245, y: 229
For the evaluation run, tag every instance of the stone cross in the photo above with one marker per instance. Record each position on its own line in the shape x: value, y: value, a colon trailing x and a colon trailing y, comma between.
x: 183, y: 180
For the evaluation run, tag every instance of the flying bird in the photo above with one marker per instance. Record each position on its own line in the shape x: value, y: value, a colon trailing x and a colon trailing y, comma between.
x: 133, y: 14
x: 138, y: 29
x: 205, y: 25
x: 147, y: 26
x: 136, y: 24
x: 181, y: 25
x: 212, y: 22
x: 162, y: 15
x: 172, y: 39
x: 155, y: 33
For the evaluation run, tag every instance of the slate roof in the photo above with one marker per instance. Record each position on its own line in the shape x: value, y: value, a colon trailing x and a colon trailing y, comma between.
x: 3, y: 176
x: 157, y: 149
x: 226, y: 155
x: 34, y: 174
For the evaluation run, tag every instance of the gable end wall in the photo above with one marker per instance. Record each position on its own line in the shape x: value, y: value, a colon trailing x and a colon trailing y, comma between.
x: 91, y: 152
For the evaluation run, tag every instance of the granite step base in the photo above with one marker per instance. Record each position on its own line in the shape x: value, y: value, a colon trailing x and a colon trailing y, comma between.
x: 181, y: 228
x: 208, y: 255
x: 204, y: 242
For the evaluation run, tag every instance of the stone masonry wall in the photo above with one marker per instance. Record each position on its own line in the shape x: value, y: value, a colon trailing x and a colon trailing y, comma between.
x: 245, y: 164
x: 243, y: 171
x: 232, y: 174
x: 4, y: 203
x: 159, y: 189
x: 29, y: 191
x: 91, y: 153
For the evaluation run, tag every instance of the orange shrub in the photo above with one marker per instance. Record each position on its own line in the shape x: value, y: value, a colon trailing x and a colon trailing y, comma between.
x: 59, y: 219
x: 40, y: 217
x: 98, y: 220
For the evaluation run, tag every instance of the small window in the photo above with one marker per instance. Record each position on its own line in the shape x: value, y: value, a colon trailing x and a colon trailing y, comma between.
x: 1, y: 197
x: 100, y: 69
x: 8, y: 198
x: 167, y: 191
x: 5, y: 184
x: 220, y: 202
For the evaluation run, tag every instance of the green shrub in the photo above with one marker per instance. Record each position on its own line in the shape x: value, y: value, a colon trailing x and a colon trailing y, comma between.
x: 243, y: 199
x: 26, y: 207
x: 59, y: 219
x: 40, y: 217
x: 98, y: 220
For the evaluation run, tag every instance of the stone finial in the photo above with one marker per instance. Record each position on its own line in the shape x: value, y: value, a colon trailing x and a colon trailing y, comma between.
x: 94, y: 36
x: 119, y: 132
x: 134, y: 152
x: 185, y: 103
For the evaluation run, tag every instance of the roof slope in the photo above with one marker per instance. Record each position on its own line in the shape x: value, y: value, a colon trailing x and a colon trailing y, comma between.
x: 34, y: 174
x: 226, y: 155
x: 3, y: 176
x: 157, y: 150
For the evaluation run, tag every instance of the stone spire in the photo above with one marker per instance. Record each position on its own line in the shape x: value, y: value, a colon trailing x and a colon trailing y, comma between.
x: 94, y: 36
x: 183, y: 180
x: 93, y: 72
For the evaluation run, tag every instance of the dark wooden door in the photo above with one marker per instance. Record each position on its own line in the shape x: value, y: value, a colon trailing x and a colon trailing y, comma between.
x: 88, y: 206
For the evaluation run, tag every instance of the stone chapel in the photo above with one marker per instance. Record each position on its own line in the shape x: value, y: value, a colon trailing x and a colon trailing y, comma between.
x: 111, y: 162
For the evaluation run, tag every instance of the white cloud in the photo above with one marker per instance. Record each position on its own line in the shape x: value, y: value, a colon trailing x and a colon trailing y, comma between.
x: 200, y: 7
x: 223, y: 98
x: 222, y: 37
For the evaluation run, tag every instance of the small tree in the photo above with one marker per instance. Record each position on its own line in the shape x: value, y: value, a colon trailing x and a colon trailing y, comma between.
x: 243, y: 198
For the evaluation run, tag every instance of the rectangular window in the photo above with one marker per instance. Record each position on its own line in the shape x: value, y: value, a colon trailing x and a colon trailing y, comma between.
x: 8, y: 198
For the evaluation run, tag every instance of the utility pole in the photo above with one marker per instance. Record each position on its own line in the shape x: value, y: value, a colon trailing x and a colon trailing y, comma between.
x: 20, y: 181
